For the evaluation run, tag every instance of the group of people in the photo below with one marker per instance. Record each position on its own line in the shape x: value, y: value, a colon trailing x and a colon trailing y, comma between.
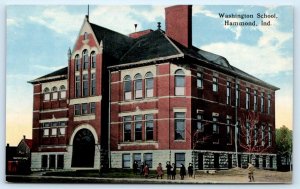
x: 171, y: 170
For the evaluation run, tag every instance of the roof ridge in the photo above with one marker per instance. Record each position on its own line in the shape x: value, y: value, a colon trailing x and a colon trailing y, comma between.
x: 111, y: 30
x: 175, y: 46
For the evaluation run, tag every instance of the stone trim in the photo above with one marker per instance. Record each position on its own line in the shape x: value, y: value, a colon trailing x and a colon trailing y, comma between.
x: 85, y: 100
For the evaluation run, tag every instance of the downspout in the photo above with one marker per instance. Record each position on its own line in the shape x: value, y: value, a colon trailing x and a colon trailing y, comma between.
x: 108, y: 144
x: 236, y: 124
x: 169, y: 112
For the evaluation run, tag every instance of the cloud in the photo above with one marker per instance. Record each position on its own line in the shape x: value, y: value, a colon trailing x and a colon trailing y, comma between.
x: 201, y: 10
x: 123, y: 18
x: 47, y: 68
x: 58, y: 20
x: 13, y: 22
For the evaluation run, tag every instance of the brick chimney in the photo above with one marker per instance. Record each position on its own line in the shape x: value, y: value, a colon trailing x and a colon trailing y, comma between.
x: 179, y: 24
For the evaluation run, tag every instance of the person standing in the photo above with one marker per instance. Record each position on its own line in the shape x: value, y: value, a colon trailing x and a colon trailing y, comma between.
x: 182, y: 172
x: 146, y: 171
x: 159, y: 171
x: 142, y: 169
x: 168, y: 166
x: 250, y: 172
x: 135, y: 167
x: 173, y: 171
x: 190, y: 170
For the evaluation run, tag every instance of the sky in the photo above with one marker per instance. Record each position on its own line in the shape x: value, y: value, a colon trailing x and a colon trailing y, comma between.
x: 38, y: 40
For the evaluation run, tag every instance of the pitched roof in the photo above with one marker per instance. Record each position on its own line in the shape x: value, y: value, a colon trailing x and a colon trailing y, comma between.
x: 28, y: 142
x: 56, y: 75
x: 114, y: 43
x: 151, y: 46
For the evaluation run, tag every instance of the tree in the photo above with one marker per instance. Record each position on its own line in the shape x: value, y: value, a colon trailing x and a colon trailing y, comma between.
x: 284, y: 143
x: 254, y: 137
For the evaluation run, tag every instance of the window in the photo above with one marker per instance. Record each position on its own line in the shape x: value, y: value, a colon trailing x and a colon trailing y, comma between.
x: 199, y: 80
x: 149, y: 84
x: 92, y: 107
x: 127, y: 87
x: 63, y: 92
x: 228, y: 93
x: 54, y: 93
x: 46, y: 132
x: 200, y: 126
x: 46, y: 94
x: 126, y: 160
x: 179, y: 126
x: 138, y: 127
x: 54, y: 124
x: 179, y: 82
x: 262, y: 103
x: 247, y: 98
x: 247, y: 133
x: 215, y: 84
x: 138, y: 158
x: 262, y: 135
x: 149, y: 126
x: 255, y: 135
x: 85, y: 85
x: 93, y: 84
x: 44, y: 161
x: 270, y: 136
x: 237, y: 95
x: 269, y: 104
x: 148, y: 159
x: 215, y: 126
x: 179, y: 159
x: 255, y: 101
x: 77, y: 109
x: 85, y: 59
x: 85, y: 36
x: 46, y: 124
x: 60, y: 161
x: 228, y: 132
x: 84, y: 109
x: 93, y: 59
x: 61, y: 131
x: 127, y: 128
x: 138, y: 86
x: 77, y: 86
x: 77, y: 63
x: 53, y: 131
x: 215, y: 130
x: 63, y: 123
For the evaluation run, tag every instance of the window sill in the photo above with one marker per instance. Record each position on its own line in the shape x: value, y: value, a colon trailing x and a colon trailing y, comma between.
x: 138, y: 143
x: 180, y: 140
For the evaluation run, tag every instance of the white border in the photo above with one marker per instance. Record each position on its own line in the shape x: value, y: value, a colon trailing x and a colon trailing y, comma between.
x: 296, y: 119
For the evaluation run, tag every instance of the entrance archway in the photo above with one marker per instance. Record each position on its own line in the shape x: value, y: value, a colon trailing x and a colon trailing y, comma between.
x: 83, y: 149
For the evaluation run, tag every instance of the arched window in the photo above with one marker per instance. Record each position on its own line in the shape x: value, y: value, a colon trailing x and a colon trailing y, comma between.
x: 63, y: 92
x: 138, y: 86
x: 179, y: 82
x: 93, y: 59
x: 54, y: 93
x: 149, y: 84
x: 85, y: 59
x: 127, y: 87
x: 46, y: 94
x: 85, y: 36
x: 77, y: 62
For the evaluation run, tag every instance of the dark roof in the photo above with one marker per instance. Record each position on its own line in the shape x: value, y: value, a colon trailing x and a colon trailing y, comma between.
x: 58, y: 74
x: 28, y: 142
x: 114, y: 43
x: 121, y: 50
x: 150, y: 46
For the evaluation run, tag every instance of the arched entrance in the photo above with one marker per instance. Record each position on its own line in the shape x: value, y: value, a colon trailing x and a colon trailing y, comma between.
x: 83, y: 149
